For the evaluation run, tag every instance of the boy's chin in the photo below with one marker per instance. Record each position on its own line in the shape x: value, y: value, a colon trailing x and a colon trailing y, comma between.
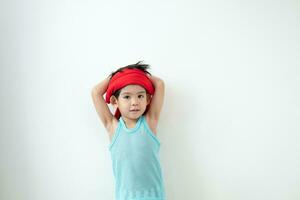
x: 135, y: 115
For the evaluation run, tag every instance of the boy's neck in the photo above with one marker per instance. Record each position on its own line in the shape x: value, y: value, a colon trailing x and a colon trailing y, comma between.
x: 130, y: 123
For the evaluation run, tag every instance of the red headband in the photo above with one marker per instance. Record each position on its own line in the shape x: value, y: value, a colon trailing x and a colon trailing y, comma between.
x: 128, y: 77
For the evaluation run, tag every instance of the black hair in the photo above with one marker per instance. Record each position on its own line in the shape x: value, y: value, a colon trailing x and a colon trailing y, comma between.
x: 138, y: 65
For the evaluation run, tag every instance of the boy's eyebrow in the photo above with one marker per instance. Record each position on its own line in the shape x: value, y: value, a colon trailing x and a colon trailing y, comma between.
x: 137, y: 92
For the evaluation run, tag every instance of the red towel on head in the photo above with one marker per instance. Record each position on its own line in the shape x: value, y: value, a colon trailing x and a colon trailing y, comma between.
x: 128, y: 77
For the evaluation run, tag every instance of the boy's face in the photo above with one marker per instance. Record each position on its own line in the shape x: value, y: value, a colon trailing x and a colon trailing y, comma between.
x: 132, y: 101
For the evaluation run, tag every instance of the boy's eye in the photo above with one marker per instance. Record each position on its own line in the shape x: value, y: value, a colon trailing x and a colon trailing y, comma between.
x: 127, y: 97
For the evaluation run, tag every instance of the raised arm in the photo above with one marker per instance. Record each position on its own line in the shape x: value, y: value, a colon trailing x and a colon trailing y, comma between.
x: 101, y: 106
x: 156, y: 102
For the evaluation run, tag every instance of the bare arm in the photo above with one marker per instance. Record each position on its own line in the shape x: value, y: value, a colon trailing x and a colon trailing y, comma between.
x: 100, y: 105
x: 156, y: 102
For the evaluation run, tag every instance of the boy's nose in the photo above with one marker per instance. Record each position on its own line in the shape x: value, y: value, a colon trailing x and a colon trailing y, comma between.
x: 134, y: 101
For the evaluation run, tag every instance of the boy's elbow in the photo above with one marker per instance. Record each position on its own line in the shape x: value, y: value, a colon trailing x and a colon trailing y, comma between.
x: 93, y: 91
x: 160, y: 82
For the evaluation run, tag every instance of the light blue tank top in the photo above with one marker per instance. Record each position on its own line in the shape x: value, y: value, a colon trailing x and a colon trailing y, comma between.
x: 136, y: 163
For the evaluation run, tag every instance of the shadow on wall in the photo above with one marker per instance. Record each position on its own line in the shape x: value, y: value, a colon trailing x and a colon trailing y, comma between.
x: 180, y: 132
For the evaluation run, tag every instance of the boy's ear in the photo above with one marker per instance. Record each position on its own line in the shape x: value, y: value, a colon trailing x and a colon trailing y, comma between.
x: 149, y: 97
x: 113, y: 100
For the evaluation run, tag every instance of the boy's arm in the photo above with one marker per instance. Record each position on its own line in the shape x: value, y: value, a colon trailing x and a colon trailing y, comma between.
x: 157, y: 99
x: 100, y: 105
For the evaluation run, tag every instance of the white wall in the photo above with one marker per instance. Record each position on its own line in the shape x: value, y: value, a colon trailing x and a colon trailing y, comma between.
x: 230, y: 124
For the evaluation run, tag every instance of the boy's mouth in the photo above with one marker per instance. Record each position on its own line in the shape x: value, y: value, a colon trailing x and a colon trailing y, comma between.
x: 135, y: 110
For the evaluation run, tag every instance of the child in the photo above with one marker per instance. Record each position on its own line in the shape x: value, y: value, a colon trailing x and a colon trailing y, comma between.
x: 137, y: 97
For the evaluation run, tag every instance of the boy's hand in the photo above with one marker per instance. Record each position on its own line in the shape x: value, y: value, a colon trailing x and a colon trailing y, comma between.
x: 155, y: 80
